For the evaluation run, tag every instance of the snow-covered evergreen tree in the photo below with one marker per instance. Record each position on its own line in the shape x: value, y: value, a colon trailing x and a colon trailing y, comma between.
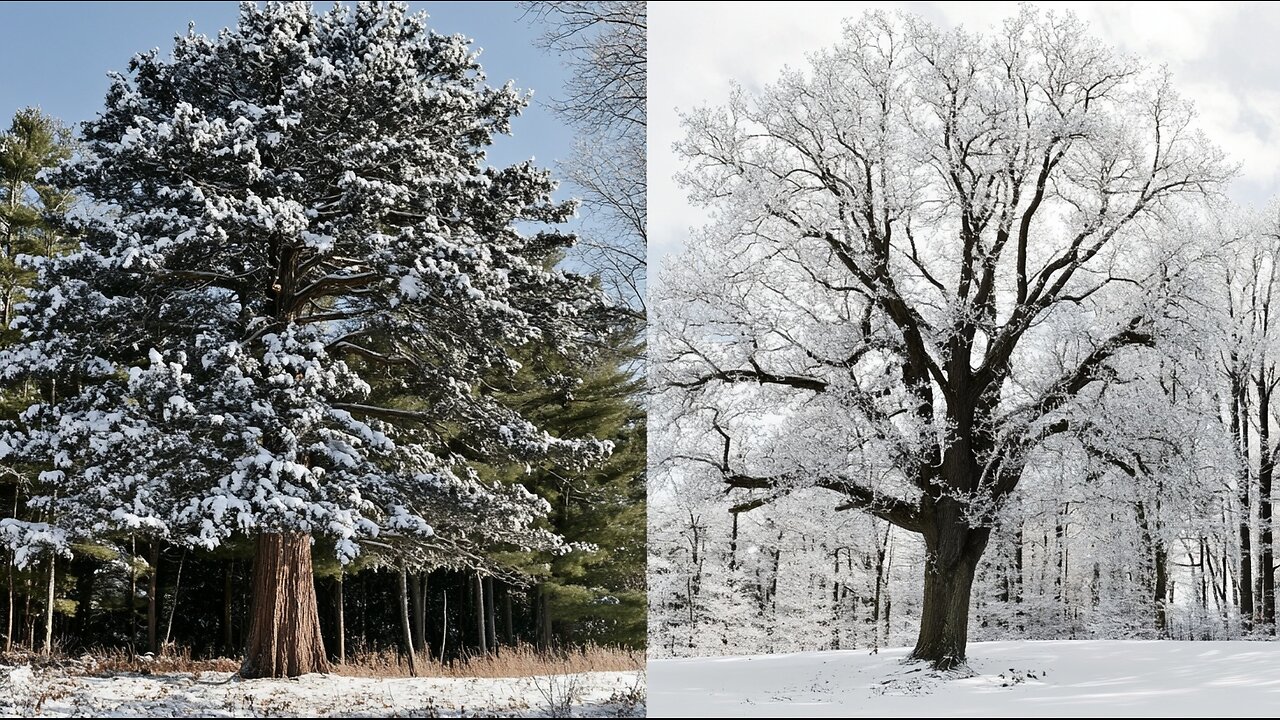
x: 296, y: 274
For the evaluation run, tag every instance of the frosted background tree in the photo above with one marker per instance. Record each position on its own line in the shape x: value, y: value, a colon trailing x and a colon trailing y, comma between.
x: 296, y: 274
x: 605, y: 45
x: 932, y: 258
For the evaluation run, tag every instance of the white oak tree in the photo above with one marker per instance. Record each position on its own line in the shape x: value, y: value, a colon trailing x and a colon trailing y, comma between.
x: 928, y: 254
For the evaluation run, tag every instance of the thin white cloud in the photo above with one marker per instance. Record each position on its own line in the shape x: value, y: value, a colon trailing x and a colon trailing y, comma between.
x: 1222, y: 56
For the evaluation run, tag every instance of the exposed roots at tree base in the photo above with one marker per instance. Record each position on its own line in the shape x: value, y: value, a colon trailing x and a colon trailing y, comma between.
x: 949, y: 664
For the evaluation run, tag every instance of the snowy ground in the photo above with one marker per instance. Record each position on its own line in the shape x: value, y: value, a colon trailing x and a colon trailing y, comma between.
x: 1101, y: 678
x: 25, y: 692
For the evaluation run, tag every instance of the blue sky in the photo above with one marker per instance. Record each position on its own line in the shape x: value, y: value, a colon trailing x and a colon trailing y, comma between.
x: 57, y: 55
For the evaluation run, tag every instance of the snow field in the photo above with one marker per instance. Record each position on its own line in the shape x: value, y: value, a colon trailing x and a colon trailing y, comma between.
x: 1057, y: 678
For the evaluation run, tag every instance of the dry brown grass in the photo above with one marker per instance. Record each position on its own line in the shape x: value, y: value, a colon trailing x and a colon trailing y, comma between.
x: 510, y: 661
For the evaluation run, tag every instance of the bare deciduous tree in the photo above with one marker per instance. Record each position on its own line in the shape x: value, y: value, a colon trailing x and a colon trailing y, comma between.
x: 604, y: 44
x: 929, y: 255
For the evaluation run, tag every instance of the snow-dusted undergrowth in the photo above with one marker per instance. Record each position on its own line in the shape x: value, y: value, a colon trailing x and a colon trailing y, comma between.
x: 28, y: 692
x: 1028, y: 679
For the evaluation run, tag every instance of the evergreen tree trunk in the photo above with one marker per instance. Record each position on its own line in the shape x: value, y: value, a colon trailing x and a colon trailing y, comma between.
x: 543, y: 618
x: 342, y: 622
x: 173, y: 603
x: 508, y: 629
x: 133, y: 595
x: 153, y: 600
x: 48, y: 605
x: 8, y: 624
x: 491, y: 622
x: 418, y: 605
x: 952, y: 551
x: 86, y: 579
x: 404, y: 622
x: 284, y: 630
x: 227, y: 639
x: 481, y: 627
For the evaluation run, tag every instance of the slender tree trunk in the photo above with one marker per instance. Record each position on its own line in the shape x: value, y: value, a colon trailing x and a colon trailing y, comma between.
x: 404, y: 622
x: 133, y: 594
x: 13, y: 599
x: 227, y: 638
x: 284, y: 631
x: 1159, y: 555
x: 342, y: 622
x: 544, y: 618
x: 508, y: 628
x: 444, y: 622
x: 173, y: 604
x: 1160, y: 559
x: 733, y: 545
x: 153, y: 600
x: 952, y: 551
x: 48, y: 605
x: 882, y: 553
x: 491, y: 621
x: 1240, y: 430
x: 481, y: 627
x: 418, y: 604
x: 1266, y: 549
x: 82, y: 568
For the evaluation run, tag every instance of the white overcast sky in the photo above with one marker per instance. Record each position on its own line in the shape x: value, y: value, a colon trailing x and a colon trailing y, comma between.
x: 1224, y: 56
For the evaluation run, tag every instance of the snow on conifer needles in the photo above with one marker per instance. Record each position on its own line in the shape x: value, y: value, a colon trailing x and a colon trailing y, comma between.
x: 297, y: 278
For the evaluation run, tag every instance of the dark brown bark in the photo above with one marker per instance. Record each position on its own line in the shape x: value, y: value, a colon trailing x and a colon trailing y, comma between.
x: 491, y: 621
x: 952, y: 552
x: 418, y: 608
x: 544, y: 618
x: 284, y: 629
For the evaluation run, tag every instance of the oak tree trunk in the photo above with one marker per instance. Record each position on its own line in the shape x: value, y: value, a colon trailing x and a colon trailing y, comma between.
x: 284, y: 629
x: 952, y: 552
